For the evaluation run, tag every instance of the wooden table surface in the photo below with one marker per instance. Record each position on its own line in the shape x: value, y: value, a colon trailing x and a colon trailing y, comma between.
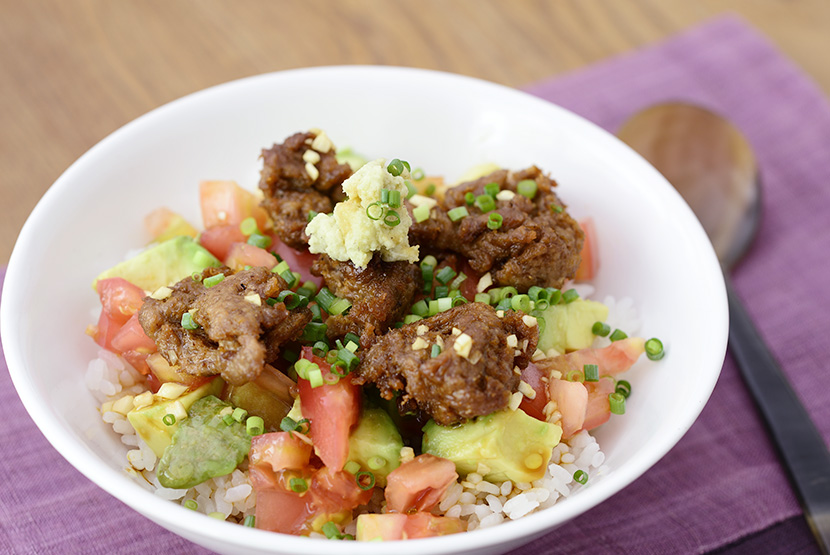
x: 72, y: 71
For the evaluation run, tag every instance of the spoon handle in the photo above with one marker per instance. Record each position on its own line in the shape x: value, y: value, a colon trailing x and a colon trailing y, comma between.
x: 799, y: 444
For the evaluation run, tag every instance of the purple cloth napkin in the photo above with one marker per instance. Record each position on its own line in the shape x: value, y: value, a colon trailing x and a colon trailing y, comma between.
x: 722, y: 482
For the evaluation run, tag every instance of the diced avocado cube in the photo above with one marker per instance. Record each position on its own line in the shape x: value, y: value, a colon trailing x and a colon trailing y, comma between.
x: 163, y: 264
x: 149, y: 421
x: 258, y: 401
x: 513, y: 445
x: 375, y: 444
x: 205, y: 446
x: 568, y: 326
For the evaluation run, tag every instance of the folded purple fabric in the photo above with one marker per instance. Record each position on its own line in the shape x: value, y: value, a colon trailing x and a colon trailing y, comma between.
x: 722, y: 482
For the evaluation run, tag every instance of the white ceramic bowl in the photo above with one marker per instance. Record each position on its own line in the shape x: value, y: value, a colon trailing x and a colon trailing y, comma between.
x: 651, y: 248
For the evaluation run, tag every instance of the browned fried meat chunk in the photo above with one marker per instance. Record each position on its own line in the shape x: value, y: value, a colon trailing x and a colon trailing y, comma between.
x: 456, y: 384
x: 538, y: 243
x: 381, y: 294
x: 236, y: 335
x: 291, y: 193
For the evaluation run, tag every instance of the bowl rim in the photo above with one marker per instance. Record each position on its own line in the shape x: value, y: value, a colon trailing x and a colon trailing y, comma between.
x: 189, y: 524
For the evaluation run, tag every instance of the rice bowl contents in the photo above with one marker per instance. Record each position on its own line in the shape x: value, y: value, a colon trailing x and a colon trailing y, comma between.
x: 353, y: 384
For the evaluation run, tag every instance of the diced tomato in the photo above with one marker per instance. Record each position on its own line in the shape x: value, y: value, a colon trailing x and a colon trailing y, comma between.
x: 164, y: 224
x: 282, y: 511
x: 219, y: 239
x: 613, y: 359
x: 535, y: 407
x: 107, y: 329
x: 119, y: 298
x: 225, y: 202
x: 589, y: 265
x: 572, y: 403
x: 333, y: 410
x: 394, y: 526
x: 137, y: 360
x: 419, y: 484
x: 599, y: 407
x: 243, y: 254
x: 279, y: 451
x: 298, y: 261
x: 337, y: 490
x: 131, y: 337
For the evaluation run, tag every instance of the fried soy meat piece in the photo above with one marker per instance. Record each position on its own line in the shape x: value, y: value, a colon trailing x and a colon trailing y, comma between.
x: 238, y: 332
x: 538, y: 243
x: 291, y: 192
x: 473, y: 375
x: 381, y: 294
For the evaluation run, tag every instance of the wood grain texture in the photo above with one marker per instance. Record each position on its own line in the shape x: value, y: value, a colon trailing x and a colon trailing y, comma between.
x: 72, y: 71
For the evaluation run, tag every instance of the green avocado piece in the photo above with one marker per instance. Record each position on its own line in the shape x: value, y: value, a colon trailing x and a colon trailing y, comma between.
x: 258, y: 401
x: 148, y: 421
x: 163, y: 264
x: 375, y: 444
x: 568, y: 325
x: 513, y: 445
x: 203, y: 447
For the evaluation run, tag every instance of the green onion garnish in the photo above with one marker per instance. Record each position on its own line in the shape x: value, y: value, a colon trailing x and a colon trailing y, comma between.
x: 259, y: 240
x: 421, y: 213
x: 623, y: 388
x: 485, y: 203
x: 458, y: 299
x: 365, y: 480
x: 445, y: 275
x: 470, y: 198
x: 348, y: 358
x: 376, y: 463
x: 459, y: 279
x: 482, y: 298
x: 527, y: 188
x: 430, y: 190
x: 315, y: 313
x: 591, y: 372
x: 213, y: 280
x: 420, y: 308
x: 303, y: 366
x: 601, y: 328
x: 311, y: 215
x: 654, y: 349
x: 290, y: 278
x: 495, y: 220
x: 281, y: 267
x: 353, y: 338
x: 255, y: 426
x: 435, y: 351
x: 569, y: 296
x: 188, y: 323
x: 541, y: 304
x: 313, y: 332
x: 315, y: 377
x: 410, y: 318
x: 492, y: 189
x: 325, y: 298
x: 418, y: 174
x: 331, y: 530
x: 374, y: 211
x: 288, y: 424
x: 228, y: 419
x: 307, y: 290
x: 298, y: 485
x: 556, y: 208
x: 535, y: 293
x: 340, y: 306
x: 250, y: 521
x: 580, y: 477
x: 507, y: 292
x: 411, y: 190
x: 392, y: 218
x: 320, y: 348
x: 520, y: 302
x: 169, y: 419
x: 239, y: 414
x: 395, y: 167
x: 575, y: 376
x: 458, y: 213
x: 442, y: 291
x: 384, y: 196
x: 248, y: 226
x: 191, y: 504
x: 617, y: 402
x: 554, y: 295
x: 291, y: 299
x: 617, y: 334
x: 352, y: 467
x: 429, y: 260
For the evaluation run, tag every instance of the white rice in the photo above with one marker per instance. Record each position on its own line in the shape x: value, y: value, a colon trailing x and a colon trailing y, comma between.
x: 476, y: 502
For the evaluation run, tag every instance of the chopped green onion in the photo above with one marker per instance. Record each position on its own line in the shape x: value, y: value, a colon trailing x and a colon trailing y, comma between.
x: 601, y: 328
x: 520, y: 302
x: 540, y: 322
x: 239, y: 414
x: 411, y: 189
x: 556, y: 208
x: 430, y: 190
x: 331, y: 530
x: 554, y: 295
x: 320, y: 348
x: 575, y: 376
x: 311, y: 215
x: 581, y: 477
x: 365, y: 480
x: 340, y: 306
x: 591, y: 372
x: 281, y: 268
x: 307, y: 290
x: 617, y: 402
x: 384, y: 196
x: 418, y: 174
x: 353, y: 338
x: 442, y: 291
x: 188, y: 323
x: 458, y: 300
x: 298, y: 485
x: 445, y: 275
x: 290, y: 278
x: 420, y: 308
x: 315, y: 377
x: 654, y: 349
x: 459, y: 279
x: 495, y: 220
x: 433, y: 308
x: 315, y: 313
x: 314, y: 331
x: 421, y: 213
x: 288, y: 424
x: 217, y: 515
x: 191, y: 504
x: 427, y: 274
x: 169, y: 419
x: 394, y: 199
x: 213, y: 280
x: 196, y: 276
x: 470, y: 198
x: 228, y: 419
x: 485, y: 203
x: 623, y: 388
x: 250, y: 521
x: 535, y: 292
x: 495, y: 294
x: 291, y: 299
x: 410, y: 318
x: 375, y: 211
x: 395, y: 167
x: 255, y: 426
x: 259, y: 240
x: 248, y: 226
x: 406, y: 164
x: 348, y: 358
x: 458, y: 213
x: 482, y: 298
x: 492, y: 189
x: 303, y: 366
x: 429, y: 260
x: 376, y: 463
x: 435, y: 351
x: 527, y: 188
x: 392, y: 218
x: 570, y: 296
x: 504, y: 304
x: 617, y: 334
x: 352, y: 467
x: 324, y: 298
x: 444, y: 303
x: 507, y: 292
